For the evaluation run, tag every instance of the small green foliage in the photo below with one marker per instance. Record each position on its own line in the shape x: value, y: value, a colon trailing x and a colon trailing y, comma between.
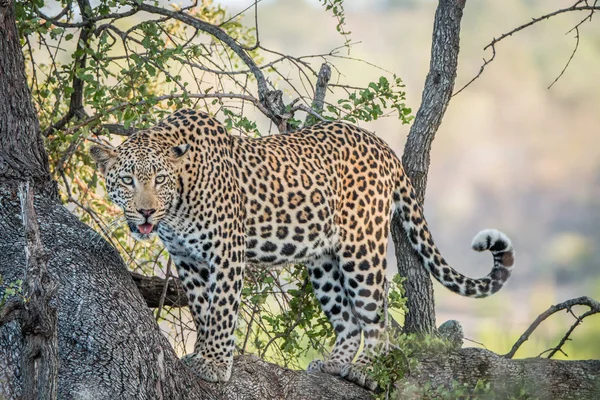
x: 399, y: 354
x: 240, y: 122
x: 337, y: 8
x: 402, y: 358
x: 521, y: 393
x: 376, y: 100
x: 7, y: 290
x: 396, y: 294
x: 392, y: 371
x: 290, y: 325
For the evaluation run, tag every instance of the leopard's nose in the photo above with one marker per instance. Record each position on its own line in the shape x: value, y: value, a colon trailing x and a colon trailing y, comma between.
x: 146, y: 212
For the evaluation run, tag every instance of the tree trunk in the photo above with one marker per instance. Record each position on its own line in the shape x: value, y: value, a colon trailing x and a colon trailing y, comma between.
x: 436, y: 96
x: 22, y: 154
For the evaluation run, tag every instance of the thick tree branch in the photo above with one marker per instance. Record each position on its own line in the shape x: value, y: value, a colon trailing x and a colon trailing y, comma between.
x: 21, y: 155
x: 10, y: 311
x: 121, y: 106
x: 436, y: 96
x: 253, y: 378
x: 152, y: 288
x: 118, y: 129
x: 537, y: 378
x: 56, y: 20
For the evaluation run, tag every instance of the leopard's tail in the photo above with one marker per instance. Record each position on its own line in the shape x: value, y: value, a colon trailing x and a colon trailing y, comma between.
x: 420, y: 238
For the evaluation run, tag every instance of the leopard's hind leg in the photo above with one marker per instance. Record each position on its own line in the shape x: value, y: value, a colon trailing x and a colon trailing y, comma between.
x: 329, y: 288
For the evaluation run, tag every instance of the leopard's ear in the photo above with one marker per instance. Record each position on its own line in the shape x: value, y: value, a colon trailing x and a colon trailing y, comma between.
x: 105, y: 157
x: 177, y: 152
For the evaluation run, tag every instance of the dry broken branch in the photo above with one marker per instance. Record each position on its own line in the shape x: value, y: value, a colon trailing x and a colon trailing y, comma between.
x: 117, y: 129
x: 76, y: 108
x: 320, y: 91
x: 580, y: 5
x: 567, y: 305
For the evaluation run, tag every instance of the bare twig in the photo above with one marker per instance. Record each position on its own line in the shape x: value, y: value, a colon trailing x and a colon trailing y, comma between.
x: 574, y: 7
x: 584, y: 301
x: 570, y: 58
x: 481, y: 69
x: 316, y: 116
x: 163, y: 295
x: 476, y: 342
x: 571, y: 329
x: 492, y: 45
x: 269, y: 108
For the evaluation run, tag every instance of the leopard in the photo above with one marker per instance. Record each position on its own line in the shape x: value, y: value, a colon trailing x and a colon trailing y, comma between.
x: 322, y: 196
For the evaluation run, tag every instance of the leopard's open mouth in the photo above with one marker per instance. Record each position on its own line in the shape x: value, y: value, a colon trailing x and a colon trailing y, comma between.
x: 143, y: 229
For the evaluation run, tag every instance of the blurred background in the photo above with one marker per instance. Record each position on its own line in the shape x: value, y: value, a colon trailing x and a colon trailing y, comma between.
x: 510, y: 154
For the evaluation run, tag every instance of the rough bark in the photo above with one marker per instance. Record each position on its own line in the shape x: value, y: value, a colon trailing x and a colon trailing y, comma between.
x: 255, y: 379
x: 539, y: 378
x: 22, y: 156
x: 320, y: 91
x: 109, y: 344
x: 436, y: 96
x: 39, y: 363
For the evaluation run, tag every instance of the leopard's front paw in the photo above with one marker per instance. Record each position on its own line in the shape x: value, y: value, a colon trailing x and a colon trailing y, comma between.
x: 207, y: 369
x: 315, y: 366
x: 357, y: 374
x: 328, y: 367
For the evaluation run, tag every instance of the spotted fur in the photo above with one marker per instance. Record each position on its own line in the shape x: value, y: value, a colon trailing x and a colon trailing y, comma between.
x: 322, y: 196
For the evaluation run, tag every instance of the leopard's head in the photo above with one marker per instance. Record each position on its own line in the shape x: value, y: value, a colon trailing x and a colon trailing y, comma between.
x: 142, y: 179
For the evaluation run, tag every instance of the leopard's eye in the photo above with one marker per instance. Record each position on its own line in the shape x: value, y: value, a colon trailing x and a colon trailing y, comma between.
x: 127, y: 180
x: 160, y: 179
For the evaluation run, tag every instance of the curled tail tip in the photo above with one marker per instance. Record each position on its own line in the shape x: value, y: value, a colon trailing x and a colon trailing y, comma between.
x: 496, y: 242
x: 491, y: 239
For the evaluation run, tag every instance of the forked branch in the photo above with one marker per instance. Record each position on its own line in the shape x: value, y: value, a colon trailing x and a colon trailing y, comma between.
x: 271, y: 109
x: 567, y: 305
x: 580, y: 5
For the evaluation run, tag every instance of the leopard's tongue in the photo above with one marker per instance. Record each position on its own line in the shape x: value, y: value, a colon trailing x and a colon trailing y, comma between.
x: 145, y: 228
